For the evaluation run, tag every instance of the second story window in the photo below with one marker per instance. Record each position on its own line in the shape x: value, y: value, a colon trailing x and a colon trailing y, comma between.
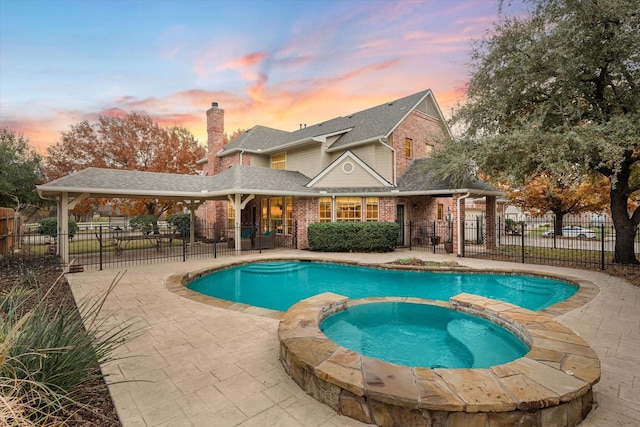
x: 279, y: 161
x: 429, y: 149
x: 408, y: 148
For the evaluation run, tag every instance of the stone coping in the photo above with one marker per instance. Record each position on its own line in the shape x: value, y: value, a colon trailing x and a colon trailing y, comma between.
x: 178, y: 283
x: 553, y: 381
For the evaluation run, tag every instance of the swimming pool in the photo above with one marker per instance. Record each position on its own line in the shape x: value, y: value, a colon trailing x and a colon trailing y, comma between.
x: 423, y: 335
x: 279, y: 285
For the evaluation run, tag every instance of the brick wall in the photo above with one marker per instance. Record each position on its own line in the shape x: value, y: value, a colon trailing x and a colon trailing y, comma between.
x: 422, y: 130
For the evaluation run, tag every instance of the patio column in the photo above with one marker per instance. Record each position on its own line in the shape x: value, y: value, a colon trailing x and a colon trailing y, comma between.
x: 238, y: 205
x: 63, y: 227
x: 458, y: 223
x: 490, y: 215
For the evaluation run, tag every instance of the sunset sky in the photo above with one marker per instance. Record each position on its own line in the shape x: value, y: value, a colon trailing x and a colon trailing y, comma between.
x: 271, y: 63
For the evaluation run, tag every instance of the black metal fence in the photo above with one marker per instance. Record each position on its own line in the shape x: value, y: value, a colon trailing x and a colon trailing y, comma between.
x: 107, y: 247
x: 583, y: 243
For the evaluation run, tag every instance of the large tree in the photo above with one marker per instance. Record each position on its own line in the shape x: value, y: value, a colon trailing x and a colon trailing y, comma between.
x: 558, y: 92
x: 545, y: 193
x: 20, y: 171
x: 132, y: 142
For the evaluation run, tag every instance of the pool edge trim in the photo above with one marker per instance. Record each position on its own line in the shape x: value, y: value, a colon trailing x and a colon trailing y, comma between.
x: 556, y: 376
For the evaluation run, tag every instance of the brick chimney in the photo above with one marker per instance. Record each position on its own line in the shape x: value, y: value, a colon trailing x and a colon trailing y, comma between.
x: 215, y: 134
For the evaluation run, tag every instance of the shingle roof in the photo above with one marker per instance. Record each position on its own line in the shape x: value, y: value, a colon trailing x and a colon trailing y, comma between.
x: 420, y: 177
x: 127, y: 183
x: 364, y: 125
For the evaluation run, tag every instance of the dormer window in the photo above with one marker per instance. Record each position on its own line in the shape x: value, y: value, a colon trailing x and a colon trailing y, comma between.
x: 408, y: 148
x: 279, y: 161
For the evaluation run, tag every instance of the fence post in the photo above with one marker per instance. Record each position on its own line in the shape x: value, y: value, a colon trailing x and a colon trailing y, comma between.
x: 100, y: 246
x: 184, y: 249
x: 434, y: 241
x: 410, y: 234
x: 522, y: 226
x: 499, y: 230
x: 602, y: 246
x: 215, y: 241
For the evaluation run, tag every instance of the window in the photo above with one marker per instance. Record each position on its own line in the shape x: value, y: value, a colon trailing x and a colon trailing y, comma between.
x: 372, y: 209
x: 325, y: 209
x: 429, y: 150
x: 408, y: 148
x: 264, y: 205
x: 276, y: 216
x: 288, y: 215
x: 440, y: 211
x: 231, y: 215
x: 348, y: 209
x: 279, y: 161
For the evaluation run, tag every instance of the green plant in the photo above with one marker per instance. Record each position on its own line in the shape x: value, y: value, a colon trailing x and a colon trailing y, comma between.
x: 181, y: 222
x: 353, y: 236
x: 49, y: 227
x: 49, y: 353
x: 512, y: 226
x: 144, y: 223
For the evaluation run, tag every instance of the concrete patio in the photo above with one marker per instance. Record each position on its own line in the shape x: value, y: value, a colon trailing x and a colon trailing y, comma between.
x: 199, y: 365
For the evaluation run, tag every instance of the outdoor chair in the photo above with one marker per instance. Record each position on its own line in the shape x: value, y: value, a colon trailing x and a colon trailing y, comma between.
x: 246, y: 239
x: 266, y: 240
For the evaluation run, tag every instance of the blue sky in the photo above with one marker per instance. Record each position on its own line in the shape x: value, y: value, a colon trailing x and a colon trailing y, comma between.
x: 273, y: 63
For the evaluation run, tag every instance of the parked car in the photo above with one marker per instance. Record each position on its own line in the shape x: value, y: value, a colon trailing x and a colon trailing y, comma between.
x: 573, y: 231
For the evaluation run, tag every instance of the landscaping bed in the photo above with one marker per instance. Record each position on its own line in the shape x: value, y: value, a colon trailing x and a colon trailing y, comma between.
x: 95, y: 407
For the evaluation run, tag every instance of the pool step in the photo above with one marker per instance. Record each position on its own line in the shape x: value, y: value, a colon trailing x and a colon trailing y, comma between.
x: 273, y: 268
x: 479, y: 340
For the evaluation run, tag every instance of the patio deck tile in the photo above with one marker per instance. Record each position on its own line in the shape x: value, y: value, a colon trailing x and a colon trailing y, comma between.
x: 207, y: 365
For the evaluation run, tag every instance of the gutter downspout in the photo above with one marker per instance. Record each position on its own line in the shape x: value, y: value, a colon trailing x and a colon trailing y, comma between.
x: 459, y: 225
x: 395, y: 168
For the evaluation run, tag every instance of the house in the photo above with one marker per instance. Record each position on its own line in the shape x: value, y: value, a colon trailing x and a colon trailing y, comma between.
x: 372, y: 165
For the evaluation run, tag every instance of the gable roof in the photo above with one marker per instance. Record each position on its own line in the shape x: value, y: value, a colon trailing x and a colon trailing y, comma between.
x: 348, y: 155
x: 357, y: 128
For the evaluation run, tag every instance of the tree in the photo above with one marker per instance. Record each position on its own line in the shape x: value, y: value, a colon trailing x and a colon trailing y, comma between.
x: 556, y: 92
x: 545, y: 193
x: 132, y: 142
x: 228, y: 138
x: 20, y: 171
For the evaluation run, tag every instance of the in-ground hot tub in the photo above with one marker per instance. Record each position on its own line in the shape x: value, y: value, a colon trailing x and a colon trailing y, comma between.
x: 425, y: 335
x: 551, y: 384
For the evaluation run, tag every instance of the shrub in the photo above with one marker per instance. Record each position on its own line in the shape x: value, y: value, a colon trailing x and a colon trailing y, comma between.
x: 353, y: 236
x: 144, y: 224
x: 181, y: 222
x: 49, y: 354
x: 49, y: 227
x: 512, y: 226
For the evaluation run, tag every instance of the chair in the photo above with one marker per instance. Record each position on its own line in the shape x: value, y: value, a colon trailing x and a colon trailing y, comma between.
x: 266, y: 240
x: 246, y: 239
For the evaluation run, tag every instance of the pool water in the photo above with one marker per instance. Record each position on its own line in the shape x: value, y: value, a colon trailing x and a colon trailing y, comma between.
x: 423, y: 335
x: 279, y: 285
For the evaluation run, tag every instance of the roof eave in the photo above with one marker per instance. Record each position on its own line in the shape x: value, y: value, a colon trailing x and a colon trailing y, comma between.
x: 356, y: 143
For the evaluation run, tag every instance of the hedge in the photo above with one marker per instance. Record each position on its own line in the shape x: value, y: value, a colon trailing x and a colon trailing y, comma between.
x: 49, y: 227
x: 353, y: 236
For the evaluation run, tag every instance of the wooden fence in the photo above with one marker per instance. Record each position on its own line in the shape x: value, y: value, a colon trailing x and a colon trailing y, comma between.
x: 9, y: 223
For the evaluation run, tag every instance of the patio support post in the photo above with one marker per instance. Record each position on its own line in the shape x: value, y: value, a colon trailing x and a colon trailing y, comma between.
x: 63, y: 227
x: 238, y: 205
x: 458, y: 241
x: 490, y: 223
x: 192, y: 206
